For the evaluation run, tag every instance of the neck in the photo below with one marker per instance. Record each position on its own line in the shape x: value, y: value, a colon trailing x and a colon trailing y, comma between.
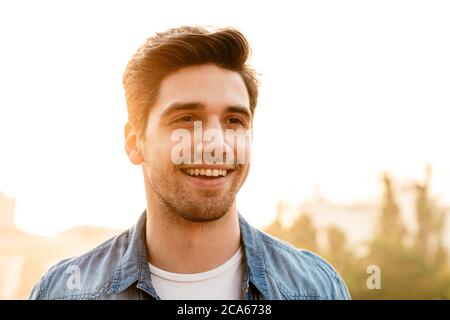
x: 182, y: 246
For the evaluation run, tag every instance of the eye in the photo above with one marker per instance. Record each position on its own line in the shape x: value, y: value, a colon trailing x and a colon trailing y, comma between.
x: 235, y: 120
x: 186, y: 119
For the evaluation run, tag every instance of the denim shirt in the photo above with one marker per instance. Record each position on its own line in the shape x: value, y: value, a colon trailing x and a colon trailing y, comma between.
x: 118, y: 269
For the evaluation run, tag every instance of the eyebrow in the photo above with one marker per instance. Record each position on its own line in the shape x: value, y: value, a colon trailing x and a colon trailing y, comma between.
x: 239, y: 109
x: 190, y: 106
x: 182, y: 106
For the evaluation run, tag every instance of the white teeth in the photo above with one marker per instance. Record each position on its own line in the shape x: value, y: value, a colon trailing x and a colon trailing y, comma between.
x: 206, y: 172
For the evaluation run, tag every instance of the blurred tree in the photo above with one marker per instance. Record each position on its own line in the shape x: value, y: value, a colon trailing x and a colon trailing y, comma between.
x: 276, y: 228
x: 337, y: 252
x: 390, y: 225
x: 341, y: 256
x: 404, y: 274
x: 303, y: 233
x: 408, y: 271
x: 430, y: 224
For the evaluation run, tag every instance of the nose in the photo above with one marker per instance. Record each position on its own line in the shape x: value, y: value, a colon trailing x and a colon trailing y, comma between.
x: 214, y: 147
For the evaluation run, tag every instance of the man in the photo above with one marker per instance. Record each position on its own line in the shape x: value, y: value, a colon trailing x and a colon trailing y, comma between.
x: 191, y: 98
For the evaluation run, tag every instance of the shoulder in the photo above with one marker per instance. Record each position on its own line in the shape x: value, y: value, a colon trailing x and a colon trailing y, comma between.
x: 299, y: 273
x: 87, y: 276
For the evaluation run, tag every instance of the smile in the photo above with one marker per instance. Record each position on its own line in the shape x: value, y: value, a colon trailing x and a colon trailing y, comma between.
x: 208, y: 172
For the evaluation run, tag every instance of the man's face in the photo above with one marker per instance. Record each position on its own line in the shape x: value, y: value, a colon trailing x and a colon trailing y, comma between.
x: 198, y: 188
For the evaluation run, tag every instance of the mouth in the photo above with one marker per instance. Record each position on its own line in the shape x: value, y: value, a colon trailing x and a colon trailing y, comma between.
x: 207, y: 177
x: 206, y: 172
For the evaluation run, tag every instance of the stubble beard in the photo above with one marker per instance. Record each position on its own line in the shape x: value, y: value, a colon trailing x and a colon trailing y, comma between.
x: 183, y: 205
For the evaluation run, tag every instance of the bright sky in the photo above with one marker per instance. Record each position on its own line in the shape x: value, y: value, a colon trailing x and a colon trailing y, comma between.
x: 349, y: 88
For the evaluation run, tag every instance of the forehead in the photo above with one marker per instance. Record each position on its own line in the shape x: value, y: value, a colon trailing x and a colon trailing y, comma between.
x: 210, y: 85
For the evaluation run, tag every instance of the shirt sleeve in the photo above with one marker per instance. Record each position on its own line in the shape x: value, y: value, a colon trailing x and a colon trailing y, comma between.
x: 341, y: 289
x: 36, y: 291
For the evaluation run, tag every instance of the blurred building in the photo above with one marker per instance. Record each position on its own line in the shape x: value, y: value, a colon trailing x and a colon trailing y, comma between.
x: 25, y: 257
x: 7, y: 207
x: 359, y: 220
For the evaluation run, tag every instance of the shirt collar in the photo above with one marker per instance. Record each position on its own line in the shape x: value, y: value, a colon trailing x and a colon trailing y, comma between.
x: 254, y: 261
x: 134, y: 264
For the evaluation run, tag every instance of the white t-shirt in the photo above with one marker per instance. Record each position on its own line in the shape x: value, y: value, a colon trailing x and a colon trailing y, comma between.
x: 222, y: 283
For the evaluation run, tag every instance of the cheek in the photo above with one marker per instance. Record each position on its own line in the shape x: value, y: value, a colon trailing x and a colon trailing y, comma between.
x: 246, y: 150
x: 159, y: 152
x: 241, y: 146
x: 248, y: 153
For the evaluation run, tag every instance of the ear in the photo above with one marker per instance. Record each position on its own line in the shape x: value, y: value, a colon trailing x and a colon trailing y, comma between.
x: 132, y: 146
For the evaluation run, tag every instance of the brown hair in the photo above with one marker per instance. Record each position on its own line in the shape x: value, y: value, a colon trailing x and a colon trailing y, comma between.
x: 169, y: 51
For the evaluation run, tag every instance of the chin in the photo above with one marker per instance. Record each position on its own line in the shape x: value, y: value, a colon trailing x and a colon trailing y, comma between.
x: 206, y: 210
